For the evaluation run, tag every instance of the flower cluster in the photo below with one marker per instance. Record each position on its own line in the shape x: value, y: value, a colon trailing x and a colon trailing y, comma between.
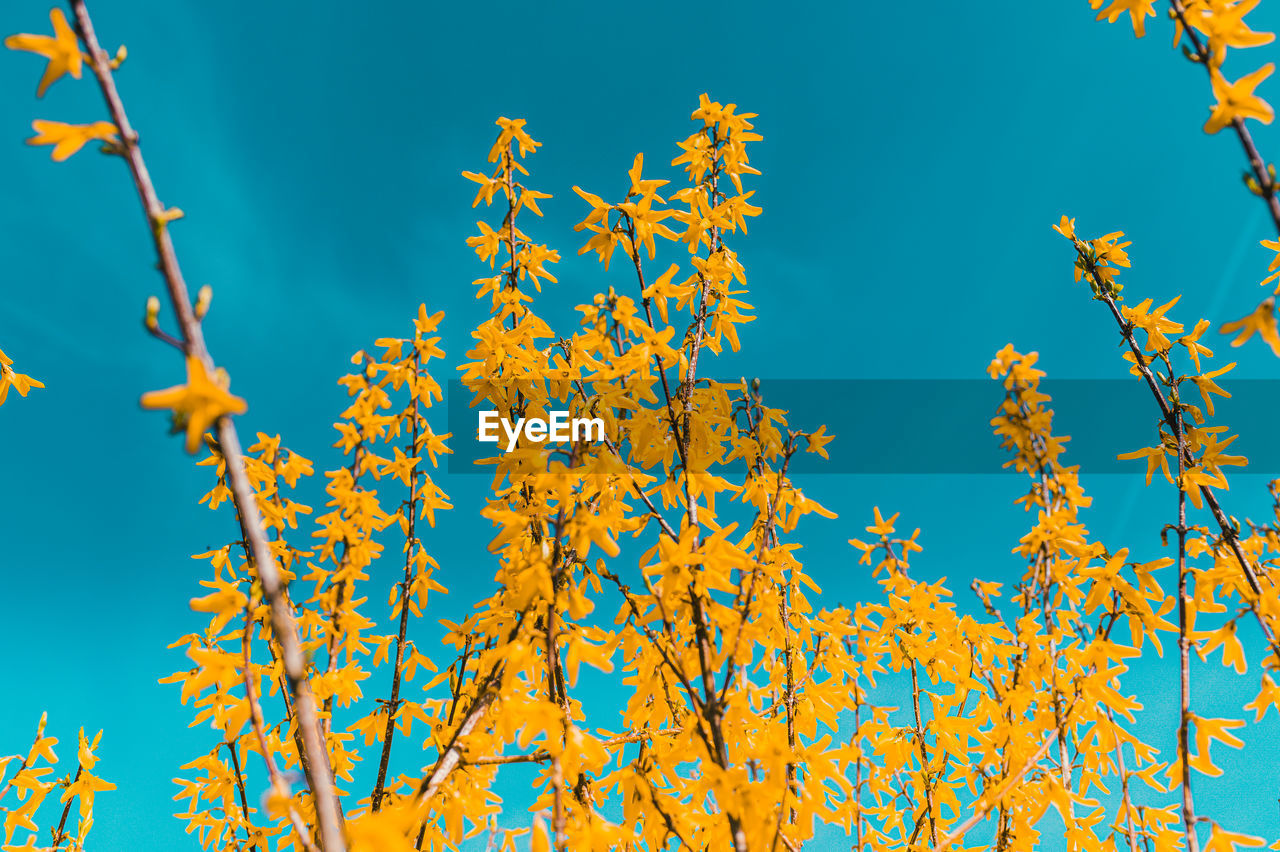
x: 745, y: 711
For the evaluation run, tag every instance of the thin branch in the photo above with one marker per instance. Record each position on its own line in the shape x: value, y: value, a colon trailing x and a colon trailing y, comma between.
x: 255, y: 717
x: 1229, y: 534
x: 393, y: 703
x: 319, y: 775
x: 1184, y: 644
x: 1267, y: 188
x: 451, y: 757
x: 26, y: 763
x: 66, y: 810
x: 986, y: 804
x: 244, y: 799
x: 924, y: 756
x: 542, y: 755
x: 1124, y: 785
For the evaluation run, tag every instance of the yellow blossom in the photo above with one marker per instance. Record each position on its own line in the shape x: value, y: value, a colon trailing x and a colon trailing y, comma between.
x: 1261, y: 321
x: 198, y: 404
x: 67, y: 139
x: 1138, y: 11
x: 10, y: 378
x: 62, y: 49
x: 1237, y: 100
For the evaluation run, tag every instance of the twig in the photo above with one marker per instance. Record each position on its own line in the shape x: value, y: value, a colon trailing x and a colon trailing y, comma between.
x: 1124, y: 784
x: 542, y: 755
x: 319, y: 775
x: 66, y: 810
x: 451, y: 757
x: 393, y: 703
x: 1267, y: 186
x: 986, y: 804
x: 255, y: 718
x: 1184, y: 645
x: 1229, y: 534
x: 924, y: 756
x: 244, y: 799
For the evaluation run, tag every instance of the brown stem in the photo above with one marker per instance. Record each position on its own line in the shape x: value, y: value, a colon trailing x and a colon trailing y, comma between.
x: 986, y: 804
x: 66, y: 810
x: 255, y: 718
x: 924, y: 756
x: 857, y: 778
x: 769, y: 536
x: 1229, y: 534
x: 790, y: 695
x: 1184, y: 645
x: 26, y: 762
x: 342, y: 589
x: 320, y: 775
x: 284, y: 687
x: 244, y: 799
x: 393, y: 703
x: 1266, y: 185
x: 1124, y: 785
x: 542, y: 755
x: 452, y: 754
x: 699, y: 333
x: 559, y: 818
x: 647, y: 301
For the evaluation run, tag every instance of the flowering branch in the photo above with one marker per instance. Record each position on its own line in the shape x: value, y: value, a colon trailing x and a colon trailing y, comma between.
x: 1101, y: 279
x: 319, y: 774
x: 1266, y: 184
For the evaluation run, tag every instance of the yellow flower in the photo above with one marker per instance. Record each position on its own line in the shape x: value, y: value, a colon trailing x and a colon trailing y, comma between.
x: 818, y: 442
x: 1138, y: 10
x: 1225, y: 27
x: 1154, y: 323
x: 1208, y: 386
x: 1274, y: 245
x: 11, y: 378
x: 1261, y: 321
x: 1156, y: 460
x: 62, y: 49
x: 1237, y: 100
x: 66, y: 139
x: 1192, y: 341
x: 200, y: 402
x: 1067, y: 227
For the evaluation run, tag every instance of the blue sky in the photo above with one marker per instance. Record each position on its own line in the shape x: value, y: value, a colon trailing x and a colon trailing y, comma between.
x: 913, y: 162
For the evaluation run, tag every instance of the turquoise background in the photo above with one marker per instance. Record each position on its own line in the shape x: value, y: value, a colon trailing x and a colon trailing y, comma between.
x: 914, y: 159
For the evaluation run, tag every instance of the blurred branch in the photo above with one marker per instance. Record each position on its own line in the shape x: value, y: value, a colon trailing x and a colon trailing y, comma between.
x: 319, y: 774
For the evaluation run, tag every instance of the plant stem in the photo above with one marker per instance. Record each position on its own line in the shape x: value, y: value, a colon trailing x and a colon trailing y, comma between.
x: 393, y: 703
x: 1184, y: 644
x: 319, y: 774
x: 1267, y: 186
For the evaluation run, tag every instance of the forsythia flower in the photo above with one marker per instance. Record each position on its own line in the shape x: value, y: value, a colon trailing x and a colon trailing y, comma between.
x: 1274, y: 267
x: 1225, y: 27
x: 11, y: 378
x: 1261, y: 321
x: 67, y: 139
x: 62, y: 49
x: 1154, y: 323
x: 1138, y: 11
x: 199, y: 403
x: 33, y: 788
x: 1237, y: 100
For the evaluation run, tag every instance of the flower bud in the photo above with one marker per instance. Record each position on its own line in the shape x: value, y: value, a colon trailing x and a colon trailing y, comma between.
x: 203, y: 300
